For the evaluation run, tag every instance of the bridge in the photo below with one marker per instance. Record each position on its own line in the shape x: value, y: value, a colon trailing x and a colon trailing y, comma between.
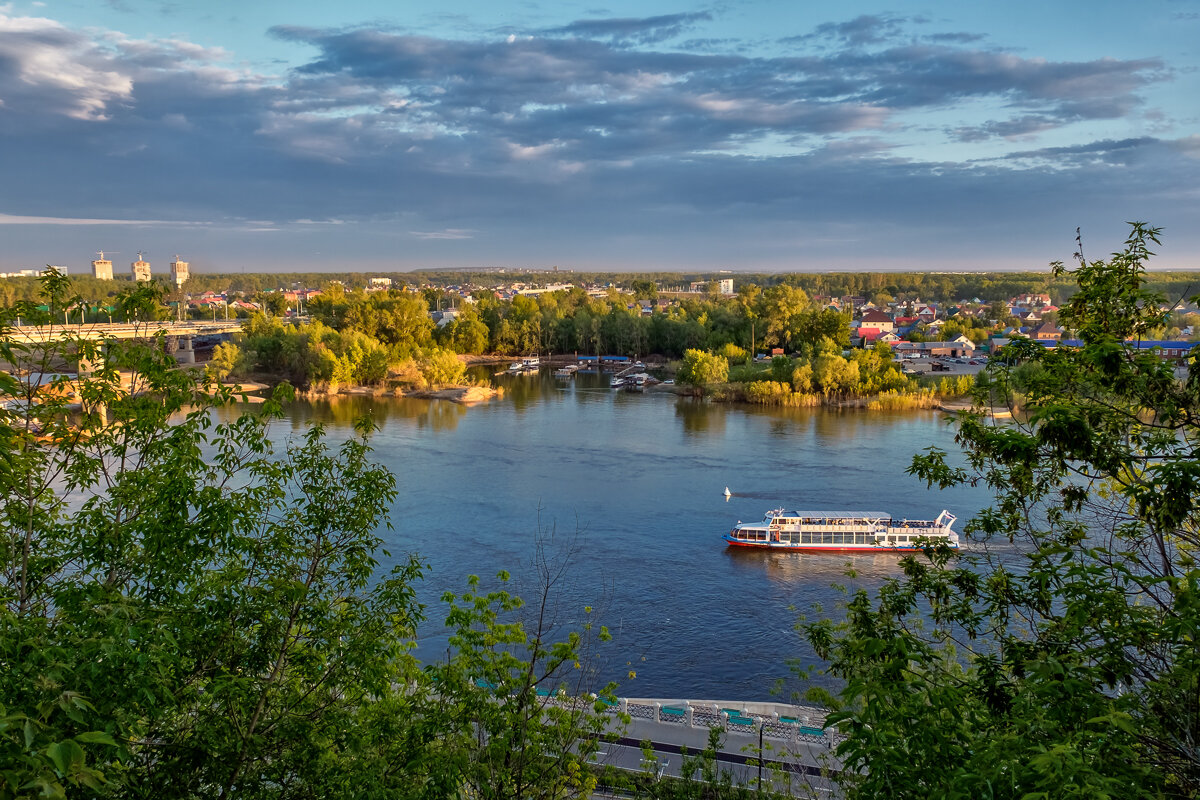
x: 41, y: 334
x: 100, y: 331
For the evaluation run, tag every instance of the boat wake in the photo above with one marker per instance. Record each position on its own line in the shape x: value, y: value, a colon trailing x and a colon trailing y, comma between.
x: 763, y: 495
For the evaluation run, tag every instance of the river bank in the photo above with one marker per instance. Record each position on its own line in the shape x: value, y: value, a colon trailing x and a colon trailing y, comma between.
x: 465, y: 394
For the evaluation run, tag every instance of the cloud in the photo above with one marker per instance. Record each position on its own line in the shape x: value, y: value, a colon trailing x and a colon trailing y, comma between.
x: 643, y: 30
x: 13, y: 219
x: 863, y: 30
x: 558, y: 133
x: 44, y: 66
x: 449, y: 233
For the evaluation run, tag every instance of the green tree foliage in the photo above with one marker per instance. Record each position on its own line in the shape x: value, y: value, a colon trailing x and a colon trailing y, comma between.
x: 783, y: 307
x: 734, y: 354
x: 226, y: 360
x: 466, y: 333
x: 440, y: 367
x: 700, y: 368
x: 644, y: 290
x: 273, y: 303
x: 525, y: 714
x: 1066, y: 665
x: 315, y: 353
x: 397, y: 319
x: 188, y: 610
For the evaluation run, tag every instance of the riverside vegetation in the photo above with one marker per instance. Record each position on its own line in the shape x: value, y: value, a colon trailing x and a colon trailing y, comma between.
x: 387, y: 338
x: 189, y: 610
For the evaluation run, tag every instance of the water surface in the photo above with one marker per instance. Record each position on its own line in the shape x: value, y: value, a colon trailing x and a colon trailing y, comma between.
x: 641, y: 478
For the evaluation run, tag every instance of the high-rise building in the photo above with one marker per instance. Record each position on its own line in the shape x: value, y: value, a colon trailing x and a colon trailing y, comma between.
x: 141, y: 269
x: 179, y: 271
x: 102, y: 268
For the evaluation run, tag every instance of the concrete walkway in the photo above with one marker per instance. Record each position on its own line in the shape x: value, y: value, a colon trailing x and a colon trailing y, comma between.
x: 797, y: 753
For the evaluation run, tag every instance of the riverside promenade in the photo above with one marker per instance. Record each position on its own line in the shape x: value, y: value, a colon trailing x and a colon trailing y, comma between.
x: 797, y: 752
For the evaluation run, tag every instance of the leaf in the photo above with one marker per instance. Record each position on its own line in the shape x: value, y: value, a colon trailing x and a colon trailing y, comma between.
x: 96, y: 737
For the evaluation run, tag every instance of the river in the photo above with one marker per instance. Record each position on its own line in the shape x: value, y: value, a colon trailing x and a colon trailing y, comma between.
x: 641, y: 479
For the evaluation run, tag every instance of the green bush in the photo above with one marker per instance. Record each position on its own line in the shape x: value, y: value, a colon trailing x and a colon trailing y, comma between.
x: 734, y: 354
x: 439, y: 367
x: 768, y: 393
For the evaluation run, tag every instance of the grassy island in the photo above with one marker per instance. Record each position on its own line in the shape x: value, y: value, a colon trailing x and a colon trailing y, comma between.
x: 821, y: 375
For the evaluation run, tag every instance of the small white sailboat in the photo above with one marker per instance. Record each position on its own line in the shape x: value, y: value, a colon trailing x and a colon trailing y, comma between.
x: 727, y: 492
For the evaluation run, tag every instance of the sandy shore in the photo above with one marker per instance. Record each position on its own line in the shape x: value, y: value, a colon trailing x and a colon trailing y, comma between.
x: 467, y: 395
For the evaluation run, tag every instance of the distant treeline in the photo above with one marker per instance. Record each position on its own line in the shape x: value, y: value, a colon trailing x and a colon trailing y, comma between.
x: 928, y: 287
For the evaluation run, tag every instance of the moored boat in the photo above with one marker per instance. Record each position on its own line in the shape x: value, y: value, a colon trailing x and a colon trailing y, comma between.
x: 526, y: 365
x: 842, y: 531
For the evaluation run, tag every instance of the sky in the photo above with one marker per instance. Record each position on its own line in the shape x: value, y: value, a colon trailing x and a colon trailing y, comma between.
x: 760, y: 135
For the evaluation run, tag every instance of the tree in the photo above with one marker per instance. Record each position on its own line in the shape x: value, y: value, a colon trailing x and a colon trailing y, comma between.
x: 273, y: 303
x: 644, y: 289
x: 523, y: 716
x: 226, y: 359
x: 783, y: 308
x: 187, y: 610
x: 700, y: 368
x: 440, y: 367
x: 208, y: 619
x: 466, y: 333
x: 1067, y: 666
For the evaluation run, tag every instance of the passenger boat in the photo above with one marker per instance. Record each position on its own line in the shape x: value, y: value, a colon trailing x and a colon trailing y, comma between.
x: 842, y: 531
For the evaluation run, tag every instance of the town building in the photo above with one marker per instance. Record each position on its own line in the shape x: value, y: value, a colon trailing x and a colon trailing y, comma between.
x: 724, y: 286
x: 959, y: 347
x: 878, y: 320
x: 1047, y: 332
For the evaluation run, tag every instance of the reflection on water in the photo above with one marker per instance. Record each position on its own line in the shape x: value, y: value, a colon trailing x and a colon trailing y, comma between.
x: 852, y: 569
x: 342, y: 411
x: 700, y: 418
x: 643, y: 476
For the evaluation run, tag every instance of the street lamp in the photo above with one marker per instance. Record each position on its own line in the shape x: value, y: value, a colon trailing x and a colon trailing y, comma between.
x: 761, y: 725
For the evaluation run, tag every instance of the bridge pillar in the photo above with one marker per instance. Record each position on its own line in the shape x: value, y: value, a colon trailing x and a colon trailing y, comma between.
x: 185, y: 354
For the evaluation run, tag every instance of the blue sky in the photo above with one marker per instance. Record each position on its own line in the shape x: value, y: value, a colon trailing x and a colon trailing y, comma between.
x: 754, y: 135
